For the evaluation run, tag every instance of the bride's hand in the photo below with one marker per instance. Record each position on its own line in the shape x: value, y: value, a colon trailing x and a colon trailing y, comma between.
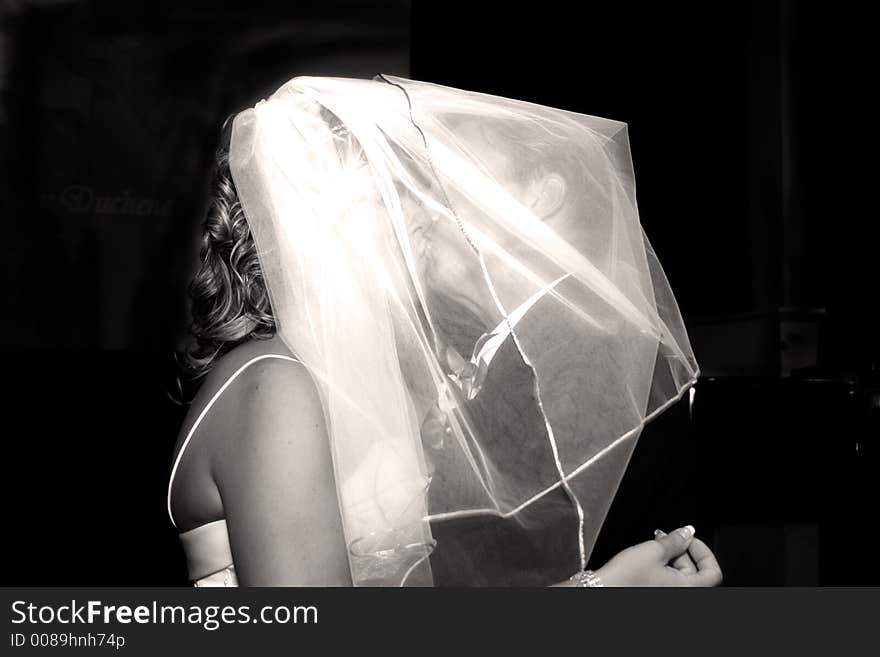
x: 675, y: 559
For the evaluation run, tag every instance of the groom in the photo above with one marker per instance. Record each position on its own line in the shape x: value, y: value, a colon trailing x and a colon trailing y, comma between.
x: 537, y: 544
x: 554, y: 408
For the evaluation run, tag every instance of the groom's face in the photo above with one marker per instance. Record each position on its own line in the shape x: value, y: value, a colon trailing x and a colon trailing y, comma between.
x: 448, y: 266
x: 445, y: 225
x: 477, y: 226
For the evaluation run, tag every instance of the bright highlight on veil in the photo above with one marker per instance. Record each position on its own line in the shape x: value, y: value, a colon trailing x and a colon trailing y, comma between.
x: 487, y: 351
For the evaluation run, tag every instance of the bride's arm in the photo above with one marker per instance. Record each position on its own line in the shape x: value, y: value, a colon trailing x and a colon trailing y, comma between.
x: 275, y: 476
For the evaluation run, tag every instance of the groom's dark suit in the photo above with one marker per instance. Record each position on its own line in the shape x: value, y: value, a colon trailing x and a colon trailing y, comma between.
x: 539, y: 544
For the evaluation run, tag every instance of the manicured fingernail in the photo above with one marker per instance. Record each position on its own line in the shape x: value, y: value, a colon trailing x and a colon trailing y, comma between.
x: 659, y: 533
x: 686, y: 532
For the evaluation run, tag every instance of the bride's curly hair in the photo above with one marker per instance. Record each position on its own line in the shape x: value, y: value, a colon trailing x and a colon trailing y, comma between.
x: 229, y: 300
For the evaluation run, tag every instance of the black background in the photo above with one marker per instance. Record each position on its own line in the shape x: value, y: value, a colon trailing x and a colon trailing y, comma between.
x: 746, y: 133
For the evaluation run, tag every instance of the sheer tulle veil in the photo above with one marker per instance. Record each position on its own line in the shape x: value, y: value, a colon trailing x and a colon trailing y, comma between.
x: 467, y: 279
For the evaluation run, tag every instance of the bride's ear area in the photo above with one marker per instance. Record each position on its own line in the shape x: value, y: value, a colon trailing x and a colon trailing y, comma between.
x: 547, y: 194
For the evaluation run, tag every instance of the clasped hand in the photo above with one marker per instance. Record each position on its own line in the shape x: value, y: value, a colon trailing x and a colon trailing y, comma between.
x: 674, y: 559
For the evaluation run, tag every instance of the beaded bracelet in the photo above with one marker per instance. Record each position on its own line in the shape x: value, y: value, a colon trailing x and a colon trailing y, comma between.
x: 586, y: 578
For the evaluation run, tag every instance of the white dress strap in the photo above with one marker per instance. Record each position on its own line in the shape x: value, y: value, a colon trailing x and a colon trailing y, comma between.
x: 205, y: 412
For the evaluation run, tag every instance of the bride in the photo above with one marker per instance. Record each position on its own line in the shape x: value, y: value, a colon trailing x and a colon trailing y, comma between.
x: 427, y: 329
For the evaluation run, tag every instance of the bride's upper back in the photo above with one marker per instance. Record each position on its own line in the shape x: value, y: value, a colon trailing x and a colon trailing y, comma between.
x: 217, y: 416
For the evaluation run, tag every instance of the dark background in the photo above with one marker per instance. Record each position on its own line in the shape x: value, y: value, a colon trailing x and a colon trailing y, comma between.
x: 746, y: 133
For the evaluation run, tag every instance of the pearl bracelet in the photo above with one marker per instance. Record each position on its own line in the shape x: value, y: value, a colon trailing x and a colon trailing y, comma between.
x: 586, y: 578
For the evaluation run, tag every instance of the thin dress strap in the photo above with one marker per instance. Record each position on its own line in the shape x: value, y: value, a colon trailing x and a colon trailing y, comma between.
x: 205, y: 412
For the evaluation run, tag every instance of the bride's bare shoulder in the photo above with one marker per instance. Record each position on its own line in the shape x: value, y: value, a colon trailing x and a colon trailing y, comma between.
x: 273, y: 470
x: 270, y: 441
x: 265, y: 383
x: 254, y: 348
x: 252, y: 409
x: 250, y: 395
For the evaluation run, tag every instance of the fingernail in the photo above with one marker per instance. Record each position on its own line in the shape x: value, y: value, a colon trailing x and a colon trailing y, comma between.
x: 659, y: 533
x: 686, y: 532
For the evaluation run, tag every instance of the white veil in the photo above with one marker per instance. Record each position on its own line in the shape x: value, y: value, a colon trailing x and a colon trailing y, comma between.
x: 467, y: 279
